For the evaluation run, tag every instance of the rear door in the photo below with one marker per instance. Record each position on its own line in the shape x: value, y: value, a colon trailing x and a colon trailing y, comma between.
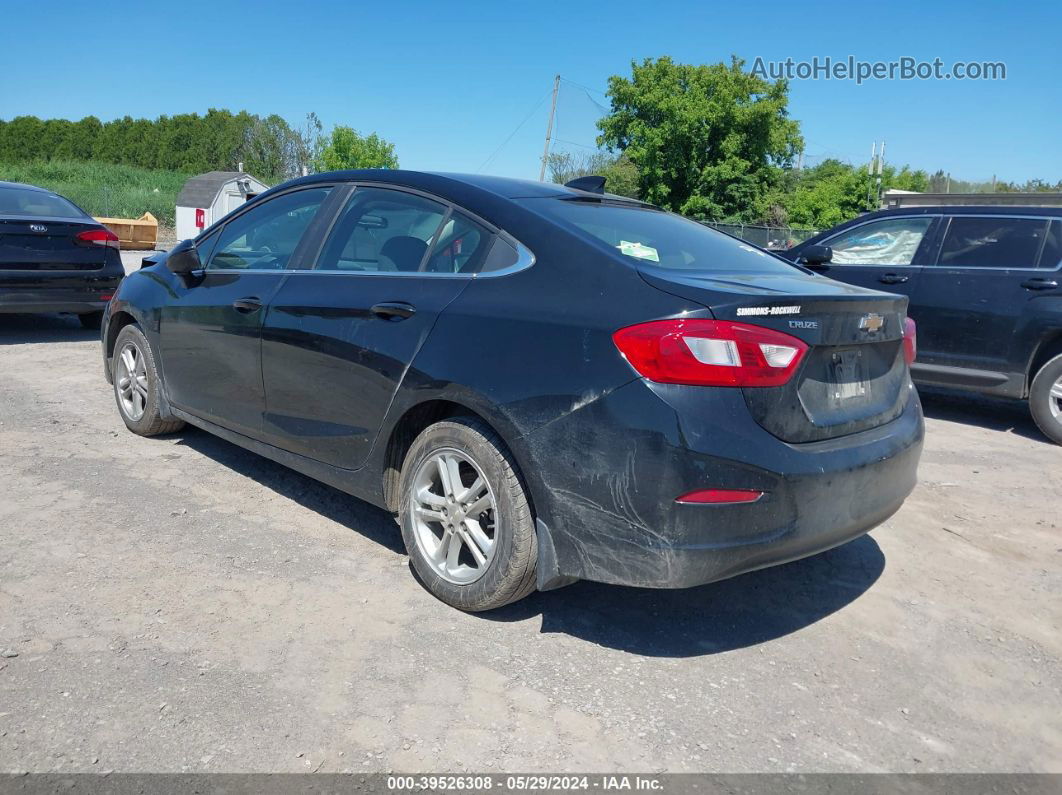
x: 883, y: 254
x: 211, y: 329
x: 339, y: 336
x: 971, y: 305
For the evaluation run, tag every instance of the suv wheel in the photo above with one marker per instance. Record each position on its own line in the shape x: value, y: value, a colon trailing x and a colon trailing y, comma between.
x: 136, y: 385
x: 465, y: 517
x: 1045, y: 399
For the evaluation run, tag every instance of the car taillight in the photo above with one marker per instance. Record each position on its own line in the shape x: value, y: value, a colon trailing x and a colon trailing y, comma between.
x: 701, y: 352
x: 910, y: 341
x: 98, y: 237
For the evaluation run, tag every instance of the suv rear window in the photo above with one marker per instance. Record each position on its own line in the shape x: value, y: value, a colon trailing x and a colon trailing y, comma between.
x: 36, y: 204
x: 659, y: 239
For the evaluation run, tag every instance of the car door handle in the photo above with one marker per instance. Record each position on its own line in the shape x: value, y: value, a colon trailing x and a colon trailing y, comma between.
x: 892, y: 278
x: 393, y: 310
x: 1039, y: 284
x: 247, y: 305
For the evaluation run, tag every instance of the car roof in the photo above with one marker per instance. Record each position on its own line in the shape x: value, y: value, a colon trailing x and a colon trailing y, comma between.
x: 440, y: 181
x: 25, y: 186
x: 965, y: 209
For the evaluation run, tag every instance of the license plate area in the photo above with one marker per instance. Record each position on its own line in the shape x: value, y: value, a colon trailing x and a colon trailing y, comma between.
x: 848, y: 377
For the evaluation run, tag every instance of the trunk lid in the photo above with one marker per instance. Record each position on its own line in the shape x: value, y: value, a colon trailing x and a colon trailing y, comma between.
x: 853, y: 376
x: 48, y: 244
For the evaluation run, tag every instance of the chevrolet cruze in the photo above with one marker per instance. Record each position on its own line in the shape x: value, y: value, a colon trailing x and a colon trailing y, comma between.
x: 544, y: 383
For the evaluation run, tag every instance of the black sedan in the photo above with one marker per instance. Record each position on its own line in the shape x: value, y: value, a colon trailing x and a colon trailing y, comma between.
x: 54, y: 257
x: 544, y: 383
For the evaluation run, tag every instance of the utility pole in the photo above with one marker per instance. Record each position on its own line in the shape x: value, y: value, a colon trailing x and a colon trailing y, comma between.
x: 549, y: 129
x: 881, y: 161
x: 870, y: 171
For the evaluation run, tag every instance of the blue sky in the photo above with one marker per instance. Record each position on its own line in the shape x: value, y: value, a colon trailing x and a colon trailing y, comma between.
x: 449, y: 82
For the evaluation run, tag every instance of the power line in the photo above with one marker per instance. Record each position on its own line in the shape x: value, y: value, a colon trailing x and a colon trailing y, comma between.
x: 574, y: 143
x: 586, y: 93
x: 584, y: 88
x: 514, y: 132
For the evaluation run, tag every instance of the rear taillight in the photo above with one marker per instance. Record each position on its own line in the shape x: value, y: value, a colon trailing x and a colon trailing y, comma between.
x: 910, y: 341
x: 98, y: 237
x: 702, y: 352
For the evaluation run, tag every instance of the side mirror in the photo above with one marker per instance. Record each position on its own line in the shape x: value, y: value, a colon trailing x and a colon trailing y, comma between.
x: 183, y: 258
x: 816, y: 255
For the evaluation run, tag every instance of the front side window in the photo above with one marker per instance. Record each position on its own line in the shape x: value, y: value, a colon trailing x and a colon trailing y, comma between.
x: 984, y: 242
x: 890, y: 242
x: 383, y: 231
x: 658, y: 239
x: 266, y: 236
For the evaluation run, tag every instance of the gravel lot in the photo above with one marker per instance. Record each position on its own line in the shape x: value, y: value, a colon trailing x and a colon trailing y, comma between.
x: 179, y: 604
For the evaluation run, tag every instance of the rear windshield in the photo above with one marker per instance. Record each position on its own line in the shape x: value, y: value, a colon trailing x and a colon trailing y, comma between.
x: 661, y: 240
x: 35, y: 203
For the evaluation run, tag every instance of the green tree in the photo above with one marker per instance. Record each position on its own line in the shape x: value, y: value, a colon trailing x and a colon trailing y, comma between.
x: 833, y: 191
x: 708, y: 140
x: 346, y: 148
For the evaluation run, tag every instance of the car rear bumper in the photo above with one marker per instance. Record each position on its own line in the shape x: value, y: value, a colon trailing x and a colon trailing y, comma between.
x: 58, y: 304
x: 80, y: 295
x: 618, y: 522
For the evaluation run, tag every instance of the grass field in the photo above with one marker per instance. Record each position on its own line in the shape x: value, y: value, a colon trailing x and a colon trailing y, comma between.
x: 104, y: 188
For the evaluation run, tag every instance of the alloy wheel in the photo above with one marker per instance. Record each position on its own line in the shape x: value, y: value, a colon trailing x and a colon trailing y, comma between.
x: 131, y: 381
x: 1054, y: 400
x: 453, y: 511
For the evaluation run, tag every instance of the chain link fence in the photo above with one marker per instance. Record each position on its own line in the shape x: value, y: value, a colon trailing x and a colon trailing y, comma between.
x: 770, y: 237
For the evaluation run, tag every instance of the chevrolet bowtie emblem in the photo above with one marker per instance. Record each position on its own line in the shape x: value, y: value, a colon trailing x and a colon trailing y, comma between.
x: 871, y: 323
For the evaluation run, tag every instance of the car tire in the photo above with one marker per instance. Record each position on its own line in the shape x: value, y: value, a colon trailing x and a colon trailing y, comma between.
x: 91, y: 320
x: 496, y: 541
x: 1045, y: 399
x: 138, y: 396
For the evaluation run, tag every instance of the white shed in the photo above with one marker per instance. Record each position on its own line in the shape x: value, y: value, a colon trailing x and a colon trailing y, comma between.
x: 208, y: 197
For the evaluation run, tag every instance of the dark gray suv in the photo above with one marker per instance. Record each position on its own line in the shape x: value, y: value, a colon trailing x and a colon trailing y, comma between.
x: 984, y: 287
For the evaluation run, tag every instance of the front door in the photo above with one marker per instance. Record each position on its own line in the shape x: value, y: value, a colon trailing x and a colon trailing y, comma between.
x: 886, y: 254
x: 211, y: 332
x: 339, y: 339
x: 972, y: 304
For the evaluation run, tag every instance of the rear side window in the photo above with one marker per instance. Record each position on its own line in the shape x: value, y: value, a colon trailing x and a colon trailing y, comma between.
x: 36, y: 204
x: 986, y: 242
x: 893, y: 241
x: 382, y: 231
x: 460, y: 248
x: 266, y: 236
x: 658, y: 239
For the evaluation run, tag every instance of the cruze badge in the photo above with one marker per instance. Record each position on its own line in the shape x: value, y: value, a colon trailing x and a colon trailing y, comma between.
x: 871, y: 323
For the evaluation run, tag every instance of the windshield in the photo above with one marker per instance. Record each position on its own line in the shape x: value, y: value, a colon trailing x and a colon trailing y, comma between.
x: 36, y: 204
x: 662, y: 240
